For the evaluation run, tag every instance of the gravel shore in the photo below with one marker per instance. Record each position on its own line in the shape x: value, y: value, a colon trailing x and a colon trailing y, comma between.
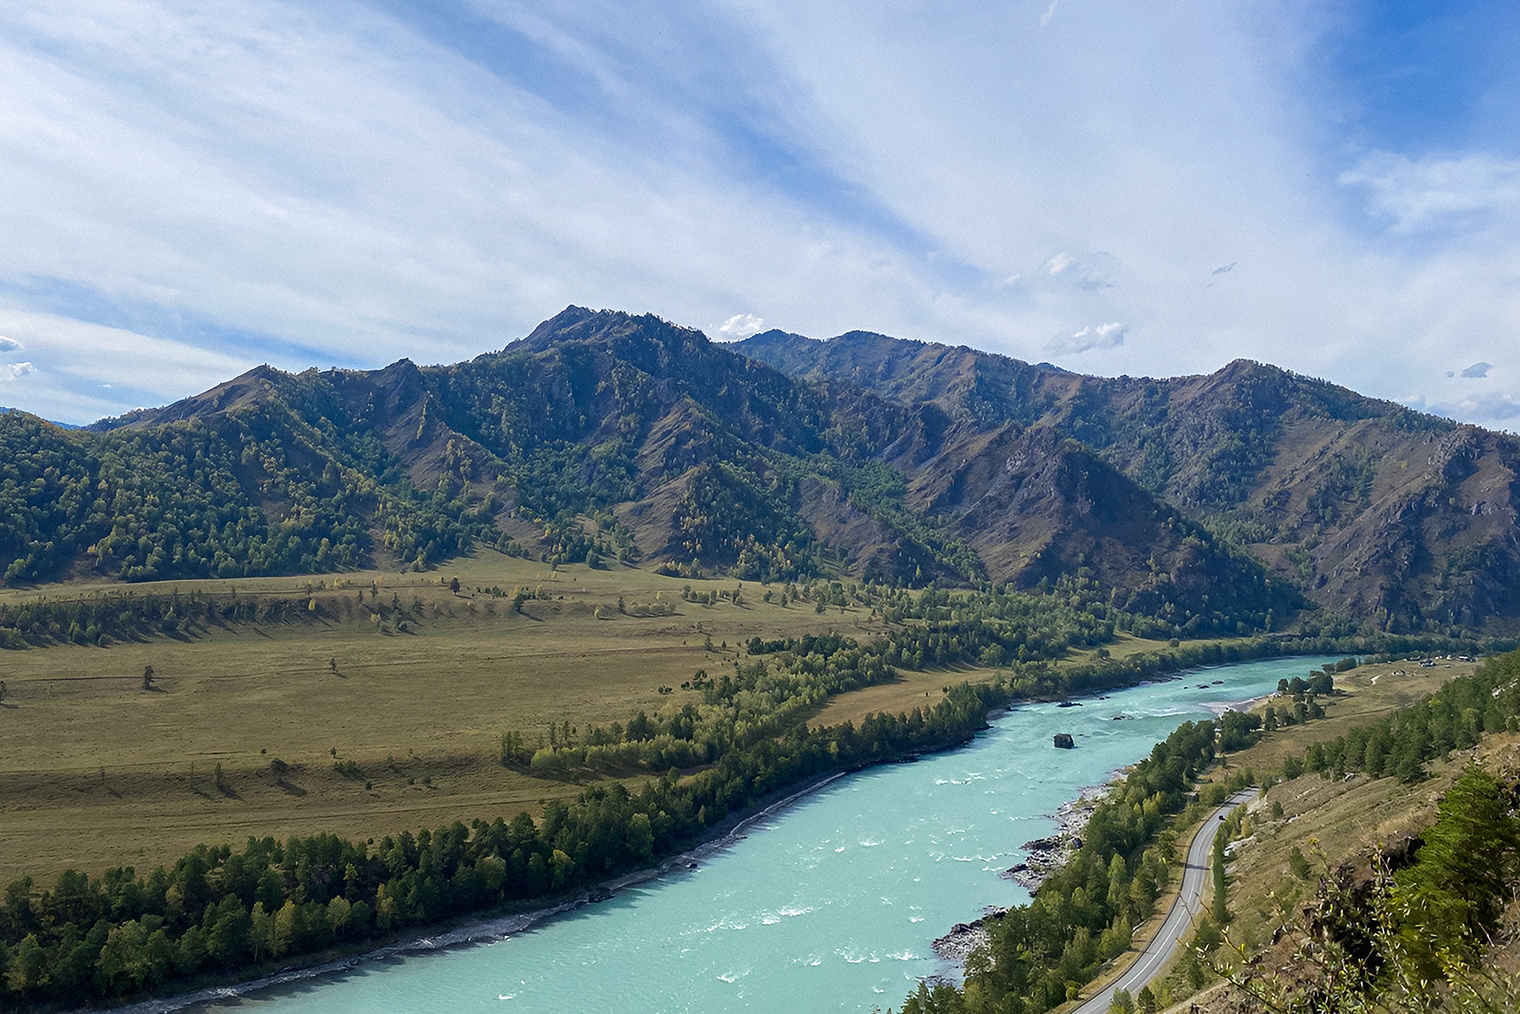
x: 1046, y: 856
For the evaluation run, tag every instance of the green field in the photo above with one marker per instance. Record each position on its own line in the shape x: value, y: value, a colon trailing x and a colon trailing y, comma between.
x: 95, y: 772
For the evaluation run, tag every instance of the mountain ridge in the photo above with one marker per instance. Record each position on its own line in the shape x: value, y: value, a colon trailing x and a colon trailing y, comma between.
x: 1311, y: 478
x: 1221, y: 502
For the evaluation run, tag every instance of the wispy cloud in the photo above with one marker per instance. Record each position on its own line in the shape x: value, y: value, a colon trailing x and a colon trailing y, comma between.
x: 349, y: 186
x: 1050, y: 13
x: 1475, y: 192
x: 79, y: 371
x: 1493, y: 408
x: 260, y: 179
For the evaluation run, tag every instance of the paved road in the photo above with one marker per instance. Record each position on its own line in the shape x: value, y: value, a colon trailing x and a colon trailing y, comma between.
x: 1195, y: 878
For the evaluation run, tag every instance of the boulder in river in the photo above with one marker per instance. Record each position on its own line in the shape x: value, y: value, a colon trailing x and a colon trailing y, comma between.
x: 1064, y: 741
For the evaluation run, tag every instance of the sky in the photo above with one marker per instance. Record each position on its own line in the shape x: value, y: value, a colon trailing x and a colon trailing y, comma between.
x: 189, y: 189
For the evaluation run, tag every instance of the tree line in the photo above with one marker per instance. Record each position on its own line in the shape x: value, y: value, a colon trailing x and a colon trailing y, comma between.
x: 1455, y: 717
x: 116, y: 617
x: 220, y: 911
x: 1040, y: 954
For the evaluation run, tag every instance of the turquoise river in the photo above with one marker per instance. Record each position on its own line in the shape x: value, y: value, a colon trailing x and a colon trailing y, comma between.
x: 831, y: 904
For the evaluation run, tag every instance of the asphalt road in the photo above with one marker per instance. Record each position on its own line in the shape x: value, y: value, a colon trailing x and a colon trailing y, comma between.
x: 1195, y: 879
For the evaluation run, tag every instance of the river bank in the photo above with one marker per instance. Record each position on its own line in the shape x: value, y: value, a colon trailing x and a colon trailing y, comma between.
x: 832, y: 902
x: 1045, y: 856
x: 1048, y: 855
x: 478, y: 931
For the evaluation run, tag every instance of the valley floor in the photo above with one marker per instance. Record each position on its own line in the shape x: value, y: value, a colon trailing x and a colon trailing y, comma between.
x: 378, y: 730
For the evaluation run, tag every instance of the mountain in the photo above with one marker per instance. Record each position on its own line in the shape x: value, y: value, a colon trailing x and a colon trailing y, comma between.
x: 1371, y: 508
x: 599, y: 435
x: 1216, y: 503
x: 1035, y: 505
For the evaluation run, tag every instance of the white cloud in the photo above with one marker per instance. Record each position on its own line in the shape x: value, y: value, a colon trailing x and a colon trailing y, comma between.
x: 1475, y: 192
x: 740, y: 325
x: 1100, y: 336
x: 10, y: 371
x: 350, y: 187
x: 353, y: 189
x: 70, y: 359
x: 1477, y: 370
x: 10, y: 345
x: 1089, y: 273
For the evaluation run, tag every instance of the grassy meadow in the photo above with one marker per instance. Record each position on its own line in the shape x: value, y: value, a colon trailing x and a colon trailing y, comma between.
x: 378, y: 730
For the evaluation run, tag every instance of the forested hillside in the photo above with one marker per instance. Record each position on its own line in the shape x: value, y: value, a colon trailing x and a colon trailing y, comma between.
x: 1369, y: 507
x: 1223, y: 503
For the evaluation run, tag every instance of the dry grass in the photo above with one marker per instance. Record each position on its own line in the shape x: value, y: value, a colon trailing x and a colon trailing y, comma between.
x: 911, y: 690
x: 1332, y: 822
x: 96, y: 772
x: 1329, y: 820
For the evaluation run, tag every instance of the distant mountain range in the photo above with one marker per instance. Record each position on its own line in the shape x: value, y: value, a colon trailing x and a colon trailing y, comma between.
x: 1242, y: 500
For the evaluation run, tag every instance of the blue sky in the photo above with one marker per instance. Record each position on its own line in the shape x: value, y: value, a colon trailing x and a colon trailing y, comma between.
x: 193, y: 188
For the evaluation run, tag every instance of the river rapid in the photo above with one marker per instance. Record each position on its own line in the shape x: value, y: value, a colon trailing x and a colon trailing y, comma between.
x: 829, y: 905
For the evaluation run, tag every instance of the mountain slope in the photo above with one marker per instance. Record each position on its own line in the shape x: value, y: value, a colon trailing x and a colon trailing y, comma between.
x: 1386, y: 513
x: 1036, y: 505
x: 605, y: 435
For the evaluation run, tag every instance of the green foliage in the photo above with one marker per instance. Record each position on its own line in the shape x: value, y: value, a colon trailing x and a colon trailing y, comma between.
x: 257, y: 490
x: 1082, y: 915
x: 1219, y: 908
x: 1343, y: 487
x: 1453, y: 718
x: 1413, y: 941
x: 127, y: 616
x: 100, y: 939
x: 1464, y: 876
x: 742, y: 517
x: 1238, y: 730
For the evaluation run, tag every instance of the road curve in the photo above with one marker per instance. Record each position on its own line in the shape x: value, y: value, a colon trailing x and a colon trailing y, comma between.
x: 1195, y: 878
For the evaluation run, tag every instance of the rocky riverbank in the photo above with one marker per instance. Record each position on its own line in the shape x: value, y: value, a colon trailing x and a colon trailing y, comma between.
x: 1046, y: 856
x: 963, y: 938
